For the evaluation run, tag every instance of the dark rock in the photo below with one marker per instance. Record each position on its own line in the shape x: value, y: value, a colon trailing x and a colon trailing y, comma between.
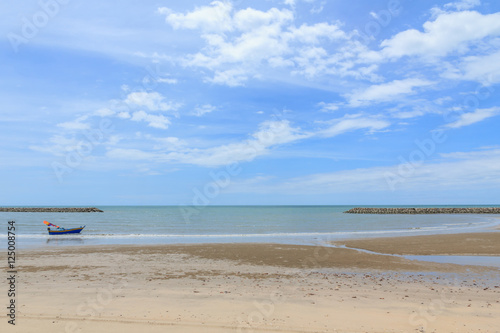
x: 50, y: 210
x: 423, y: 210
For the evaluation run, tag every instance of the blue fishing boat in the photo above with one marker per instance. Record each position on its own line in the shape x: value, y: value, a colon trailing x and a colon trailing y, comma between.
x: 62, y: 231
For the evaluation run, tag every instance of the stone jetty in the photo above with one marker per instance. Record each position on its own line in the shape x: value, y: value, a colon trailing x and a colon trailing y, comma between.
x: 423, y: 210
x: 50, y: 210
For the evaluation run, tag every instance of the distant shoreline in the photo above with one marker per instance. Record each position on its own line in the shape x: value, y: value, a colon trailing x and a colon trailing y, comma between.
x: 50, y: 210
x: 422, y: 210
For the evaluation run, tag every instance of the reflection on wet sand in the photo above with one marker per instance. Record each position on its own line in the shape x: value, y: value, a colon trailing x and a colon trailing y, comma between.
x: 65, y: 241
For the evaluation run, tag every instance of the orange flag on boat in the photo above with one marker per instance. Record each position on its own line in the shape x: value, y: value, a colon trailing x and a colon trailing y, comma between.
x: 50, y: 224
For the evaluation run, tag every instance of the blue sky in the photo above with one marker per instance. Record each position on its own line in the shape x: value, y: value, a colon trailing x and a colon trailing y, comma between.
x: 250, y: 102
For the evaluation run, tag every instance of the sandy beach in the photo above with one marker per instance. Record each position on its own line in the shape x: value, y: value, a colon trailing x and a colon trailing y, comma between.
x: 255, y: 288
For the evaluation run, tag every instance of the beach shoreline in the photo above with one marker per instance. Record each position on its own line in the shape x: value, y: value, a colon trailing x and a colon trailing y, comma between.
x: 248, y: 288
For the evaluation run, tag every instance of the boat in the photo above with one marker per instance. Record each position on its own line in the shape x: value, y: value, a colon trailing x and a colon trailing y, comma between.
x: 62, y: 231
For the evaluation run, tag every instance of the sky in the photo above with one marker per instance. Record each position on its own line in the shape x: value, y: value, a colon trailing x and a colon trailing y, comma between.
x: 266, y: 102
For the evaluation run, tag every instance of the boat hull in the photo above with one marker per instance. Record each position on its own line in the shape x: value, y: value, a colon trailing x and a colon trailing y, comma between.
x: 67, y: 231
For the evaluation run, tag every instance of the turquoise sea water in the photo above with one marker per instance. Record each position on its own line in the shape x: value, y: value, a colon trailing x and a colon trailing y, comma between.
x: 214, y: 224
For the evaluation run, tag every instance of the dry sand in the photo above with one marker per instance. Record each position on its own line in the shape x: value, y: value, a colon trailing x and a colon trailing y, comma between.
x: 247, y: 288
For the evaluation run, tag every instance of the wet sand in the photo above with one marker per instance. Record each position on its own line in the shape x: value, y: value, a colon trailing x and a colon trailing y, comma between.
x: 247, y: 288
x: 470, y: 244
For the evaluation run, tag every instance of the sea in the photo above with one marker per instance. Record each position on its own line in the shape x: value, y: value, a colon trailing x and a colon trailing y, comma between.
x: 231, y: 224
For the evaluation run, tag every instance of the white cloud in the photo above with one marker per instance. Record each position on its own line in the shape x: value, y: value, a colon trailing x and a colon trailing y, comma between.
x: 73, y: 132
x: 270, y: 134
x: 470, y: 118
x: 442, y: 100
x: 154, y: 101
x: 472, y: 169
x: 59, y: 145
x: 251, y: 39
x: 123, y: 115
x: 251, y: 19
x: 215, y: 17
x: 130, y: 154
x: 406, y: 114
x: 386, y: 91
x: 62, y: 144
x: 113, y: 140
x: 463, y: 4
x: 169, y: 143
x: 328, y: 107
x: 167, y: 80
x: 277, y: 132
x: 157, y: 121
x: 204, y: 109
x: 231, y: 77
x: 483, y: 170
x: 485, y: 152
x: 312, y: 34
x: 311, y: 61
x: 318, y: 9
x: 76, y: 125
x: 104, y: 112
x: 416, y: 107
x: 353, y: 122
x: 449, y: 32
x: 248, y: 48
x: 483, y: 69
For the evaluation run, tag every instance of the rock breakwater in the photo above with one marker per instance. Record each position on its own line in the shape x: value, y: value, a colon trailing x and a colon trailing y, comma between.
x: 50, y: 210
x: 444, y: 210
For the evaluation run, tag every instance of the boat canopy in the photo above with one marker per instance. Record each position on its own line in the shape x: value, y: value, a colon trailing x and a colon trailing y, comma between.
x: 51, y: 225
